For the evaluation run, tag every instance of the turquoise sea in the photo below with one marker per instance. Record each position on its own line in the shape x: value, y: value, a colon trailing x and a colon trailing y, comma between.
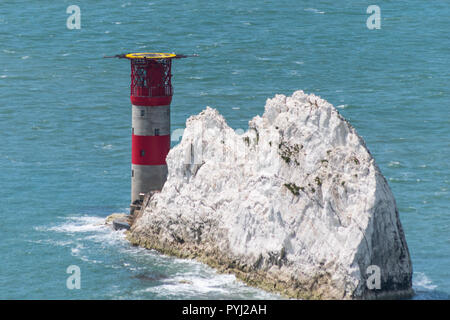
x: 65, y: 119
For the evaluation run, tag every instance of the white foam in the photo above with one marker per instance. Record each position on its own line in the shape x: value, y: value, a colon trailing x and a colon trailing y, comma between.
x: 197, y: 283
x: 193, y: 284
x: 194, y: 278
x: 80, y: 224
x: 394, y: 164
x: 314, y: 10
x: 51, y: 242
x: 109, y: 236
x: 421, y: 281
x: 199, y: 280
x: 75, y: 251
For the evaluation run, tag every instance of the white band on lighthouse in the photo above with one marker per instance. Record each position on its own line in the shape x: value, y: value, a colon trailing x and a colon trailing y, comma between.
x: 146, y: 177
x: 150, y: 121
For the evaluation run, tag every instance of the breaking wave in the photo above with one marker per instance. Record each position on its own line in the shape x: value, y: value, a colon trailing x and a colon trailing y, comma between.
x: 141, y: 273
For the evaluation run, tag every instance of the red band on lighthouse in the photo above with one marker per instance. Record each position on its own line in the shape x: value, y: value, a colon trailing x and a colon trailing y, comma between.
x: 150, y: 101
x: 150, y: 150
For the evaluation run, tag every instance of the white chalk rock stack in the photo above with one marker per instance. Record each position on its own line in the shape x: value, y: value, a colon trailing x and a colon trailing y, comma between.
x: 295, y: 205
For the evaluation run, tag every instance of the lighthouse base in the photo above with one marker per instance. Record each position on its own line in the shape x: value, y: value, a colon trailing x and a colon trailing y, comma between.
x: 145, y: 178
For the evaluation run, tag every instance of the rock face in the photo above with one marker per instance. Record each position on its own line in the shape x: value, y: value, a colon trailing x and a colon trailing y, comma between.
x: 294, y: 205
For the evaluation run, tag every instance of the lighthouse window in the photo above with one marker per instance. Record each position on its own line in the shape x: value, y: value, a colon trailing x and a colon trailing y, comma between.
x: 132, y: 173
x: 142, y: 153
x: 142, y: 112
x: 156, y: 132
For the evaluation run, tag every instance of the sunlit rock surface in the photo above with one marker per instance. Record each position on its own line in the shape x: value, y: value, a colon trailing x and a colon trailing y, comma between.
x: 295, y: 205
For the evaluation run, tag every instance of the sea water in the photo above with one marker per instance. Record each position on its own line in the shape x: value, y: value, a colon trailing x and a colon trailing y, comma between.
x: 65, y: 121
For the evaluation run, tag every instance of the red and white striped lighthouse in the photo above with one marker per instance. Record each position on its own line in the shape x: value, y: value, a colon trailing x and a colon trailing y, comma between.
x: 151, y: 95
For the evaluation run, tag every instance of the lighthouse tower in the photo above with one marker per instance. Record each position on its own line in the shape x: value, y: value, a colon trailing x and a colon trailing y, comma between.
x: 151, y: 95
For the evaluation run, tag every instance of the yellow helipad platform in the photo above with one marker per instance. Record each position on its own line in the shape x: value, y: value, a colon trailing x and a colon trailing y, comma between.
x: 150, y: 55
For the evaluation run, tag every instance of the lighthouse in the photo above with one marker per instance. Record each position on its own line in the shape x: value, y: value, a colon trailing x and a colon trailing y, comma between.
x: 151, y: 95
